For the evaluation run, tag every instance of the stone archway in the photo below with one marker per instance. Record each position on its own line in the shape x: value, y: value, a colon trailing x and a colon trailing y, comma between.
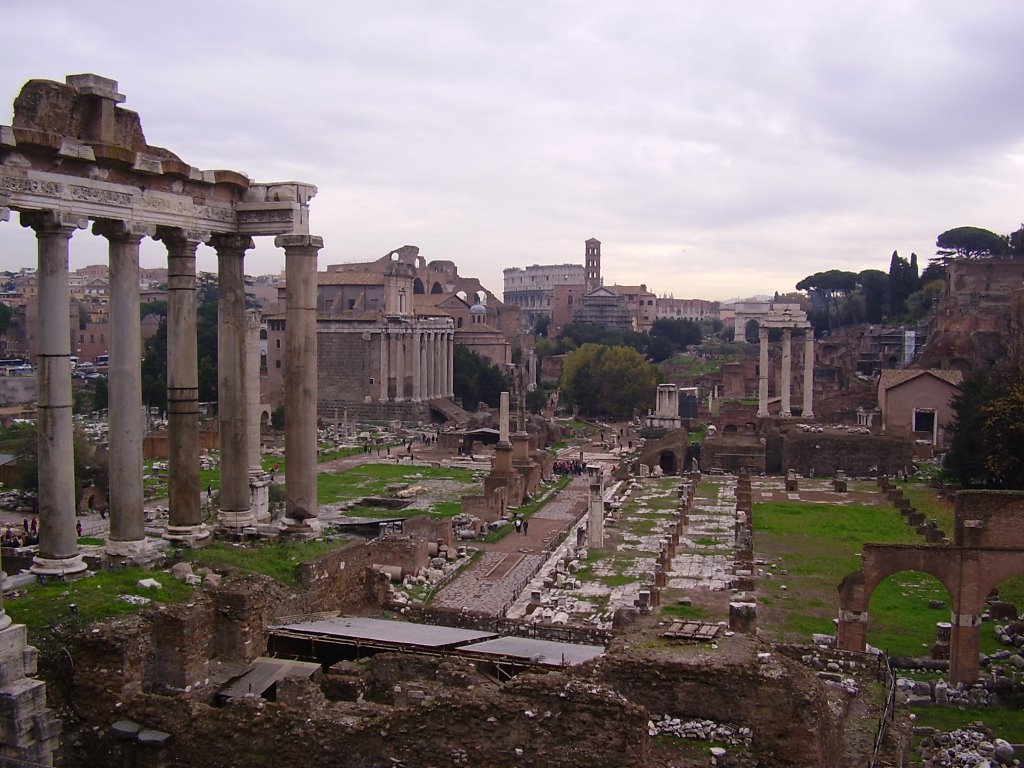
x: 988, y: 549
x: 417, y: 286
x: 436, y: 288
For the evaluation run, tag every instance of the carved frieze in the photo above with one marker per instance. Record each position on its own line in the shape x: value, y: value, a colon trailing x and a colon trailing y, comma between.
x: 97, y: 195
x: 15, y: 184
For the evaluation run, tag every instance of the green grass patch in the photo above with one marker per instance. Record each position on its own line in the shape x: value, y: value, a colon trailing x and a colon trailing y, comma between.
x: 931, y: 504
x: 707, y: 490
x: 43, y: 607
x: 684, y: 611
x: 446, y: 509
x: 373, y: 480
x: 89, y: 541
x: 617, y: 580
x: 1005, y: 723
x: 817, y: 545
x: 278, y: 560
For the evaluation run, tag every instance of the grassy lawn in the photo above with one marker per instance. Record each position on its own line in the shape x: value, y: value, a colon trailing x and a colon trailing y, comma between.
x: 45, y: 606
x: 373, y: 480
x: 1005, y: 723
x: 934, y: 508
x: 277, y: 561
x: 817, y: 545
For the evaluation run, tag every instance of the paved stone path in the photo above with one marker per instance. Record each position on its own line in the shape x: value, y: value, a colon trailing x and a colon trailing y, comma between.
x: 491, y: 584
x: 710, y: 530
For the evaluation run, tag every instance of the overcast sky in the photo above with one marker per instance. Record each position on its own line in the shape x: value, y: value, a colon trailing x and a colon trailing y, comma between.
x: 717, y: 149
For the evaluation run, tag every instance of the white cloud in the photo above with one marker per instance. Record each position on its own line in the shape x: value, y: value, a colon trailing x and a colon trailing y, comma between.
x: 715, y: 148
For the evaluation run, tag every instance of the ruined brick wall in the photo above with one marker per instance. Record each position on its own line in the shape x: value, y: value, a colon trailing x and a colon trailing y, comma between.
x: 787, y: 709
x: 409, y: 553
x: 856, y: 454
x: 239, y: 624
x: 1002, y: 514
x: 183, y: 641
x: 334, y: 582
x: 437, y: 531
x: 548, y: 721
x: 732, y: 453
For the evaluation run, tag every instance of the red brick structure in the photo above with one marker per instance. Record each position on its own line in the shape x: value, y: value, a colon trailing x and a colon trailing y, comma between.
x: 988, y: 548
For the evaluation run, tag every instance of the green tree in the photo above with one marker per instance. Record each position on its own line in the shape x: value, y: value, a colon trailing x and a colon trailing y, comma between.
x: 476, y: 380
x: 825, y: 289
x: 971, y: 243
x: 6, y: 313
x: 611, y: 381
x: 99, y: 393
x: 903, y: 281
x: 678, y: 332
x: 965, y: 461
x: 874, y: 284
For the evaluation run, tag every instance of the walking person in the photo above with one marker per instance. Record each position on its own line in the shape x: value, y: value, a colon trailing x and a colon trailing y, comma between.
x: 526, y: 525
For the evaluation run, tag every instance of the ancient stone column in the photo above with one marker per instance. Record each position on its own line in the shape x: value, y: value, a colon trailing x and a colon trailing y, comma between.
x: 232, y: 406
x: 785, y: 373
x: 503, y: 418
x: 300, y: 377
x: 425, y: 364
x: 383, y: 365
x: 186, y: 515
x: 762, y: 375
x: 449, y: 368
x: 259, y: 481
x: 808, y: 412
x: 595, y: 508
x: 439, y: 359
x: 58, y: 540
x: 417, y: 393
x: 400, y: 352
x: 127, y: 517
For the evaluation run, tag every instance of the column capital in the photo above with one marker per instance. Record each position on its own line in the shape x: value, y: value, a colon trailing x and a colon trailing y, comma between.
x: 53, y: 222
x: 227, y: 243
x: 179, y: 236
x: 125, y: 231
x: 297, y: 242
x: 762, y: 331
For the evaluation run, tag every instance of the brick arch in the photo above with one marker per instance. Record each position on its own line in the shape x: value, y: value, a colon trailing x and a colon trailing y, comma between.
x: 879, y: 562
x: 998, y: 567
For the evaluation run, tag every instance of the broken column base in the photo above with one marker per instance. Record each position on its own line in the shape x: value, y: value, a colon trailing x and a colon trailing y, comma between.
x: 189, y: 535
x: 743, y: 618
x: 68, y: 567
x: 233, y: 521
x: 291, y: 528
x: 139, y: 553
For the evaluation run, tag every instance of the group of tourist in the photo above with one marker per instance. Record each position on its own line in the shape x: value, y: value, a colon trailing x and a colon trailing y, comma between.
x: 570, y: 467
x: 28, y: 536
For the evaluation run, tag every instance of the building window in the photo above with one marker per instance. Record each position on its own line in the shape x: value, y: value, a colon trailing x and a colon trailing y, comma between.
x: 277, y: 363
x: 277, y: 343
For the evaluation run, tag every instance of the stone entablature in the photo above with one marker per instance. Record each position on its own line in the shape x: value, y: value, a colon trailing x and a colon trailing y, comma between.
x: 54, y: 157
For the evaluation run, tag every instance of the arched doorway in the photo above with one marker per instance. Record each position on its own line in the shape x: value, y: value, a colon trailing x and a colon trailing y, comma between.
x: 417, y: 286
x: 667, y: 462
x: 436, y: 288
x: 905, y: 612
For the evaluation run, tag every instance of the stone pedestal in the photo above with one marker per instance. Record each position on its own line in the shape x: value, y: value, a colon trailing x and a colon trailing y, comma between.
x: 595, y: 508
x: 29, y: 731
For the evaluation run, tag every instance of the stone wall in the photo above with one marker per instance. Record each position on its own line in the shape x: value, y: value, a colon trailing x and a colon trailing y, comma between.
x: 343, y: 369
x: 1000, y: 513
x: 335, y: 581
x: 857, y: 455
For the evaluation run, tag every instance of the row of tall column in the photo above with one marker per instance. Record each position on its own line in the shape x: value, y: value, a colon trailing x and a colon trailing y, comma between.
x: 58, y: 549
x: 785, y: 375
x: 429, y: 355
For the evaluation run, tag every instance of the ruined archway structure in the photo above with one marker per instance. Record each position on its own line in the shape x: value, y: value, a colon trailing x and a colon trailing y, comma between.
x: 988, y: 548
x: 73, y: 156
